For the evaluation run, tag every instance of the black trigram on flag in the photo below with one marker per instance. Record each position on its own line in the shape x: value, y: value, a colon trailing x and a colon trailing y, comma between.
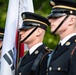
x: 9, y: 58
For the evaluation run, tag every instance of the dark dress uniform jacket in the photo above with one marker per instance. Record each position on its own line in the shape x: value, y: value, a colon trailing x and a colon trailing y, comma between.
x: 63, y: 60
x: 28, y: 61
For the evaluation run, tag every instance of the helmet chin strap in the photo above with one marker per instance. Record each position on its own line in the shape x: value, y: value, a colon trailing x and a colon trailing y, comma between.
x: 59, y: 25
x: 0, y: 47
x: 29, y: 34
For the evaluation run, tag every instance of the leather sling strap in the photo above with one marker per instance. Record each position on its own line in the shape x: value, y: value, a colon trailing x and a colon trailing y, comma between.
x: 36, y: 63
x: 38, y: 59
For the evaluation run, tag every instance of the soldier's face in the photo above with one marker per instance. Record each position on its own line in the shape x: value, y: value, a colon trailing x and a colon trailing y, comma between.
x: 54, y: 22
x: 24, y: 33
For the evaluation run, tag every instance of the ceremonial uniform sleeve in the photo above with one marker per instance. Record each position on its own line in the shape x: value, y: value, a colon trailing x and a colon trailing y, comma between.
x: 72, y: 70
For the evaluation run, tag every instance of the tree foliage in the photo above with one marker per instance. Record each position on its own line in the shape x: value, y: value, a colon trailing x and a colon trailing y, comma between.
x: 41, y: 7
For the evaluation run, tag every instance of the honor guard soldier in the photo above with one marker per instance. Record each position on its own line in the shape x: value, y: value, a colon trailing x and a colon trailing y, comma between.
x: 63, y: 22
x: 32, y: 33
x: 1, y: 41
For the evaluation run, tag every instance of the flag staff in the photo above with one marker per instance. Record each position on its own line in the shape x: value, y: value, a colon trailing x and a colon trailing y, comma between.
x: 18, y: 52
x: 17, y: 43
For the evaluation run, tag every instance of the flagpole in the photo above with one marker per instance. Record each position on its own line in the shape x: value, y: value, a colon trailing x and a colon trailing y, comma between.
x: 18, y: 44
x: 17, y: 53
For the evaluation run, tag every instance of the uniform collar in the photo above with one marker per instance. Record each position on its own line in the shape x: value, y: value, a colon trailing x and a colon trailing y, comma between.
x: 66, y: 39
x: 34, y: 47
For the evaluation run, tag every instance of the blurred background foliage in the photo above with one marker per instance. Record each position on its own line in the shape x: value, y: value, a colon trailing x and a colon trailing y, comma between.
x: 41, y: 7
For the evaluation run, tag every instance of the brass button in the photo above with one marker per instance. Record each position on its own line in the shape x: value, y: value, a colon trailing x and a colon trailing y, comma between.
x: 46, y: 73
x: 36, y: 52
x: 67, y: 43
x: 52, y: 3
x: 50, y: 68
x: 20, y: 73
x: 59, y: 68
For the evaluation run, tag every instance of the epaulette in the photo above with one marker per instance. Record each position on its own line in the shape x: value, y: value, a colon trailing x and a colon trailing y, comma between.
x: 47, y: 49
